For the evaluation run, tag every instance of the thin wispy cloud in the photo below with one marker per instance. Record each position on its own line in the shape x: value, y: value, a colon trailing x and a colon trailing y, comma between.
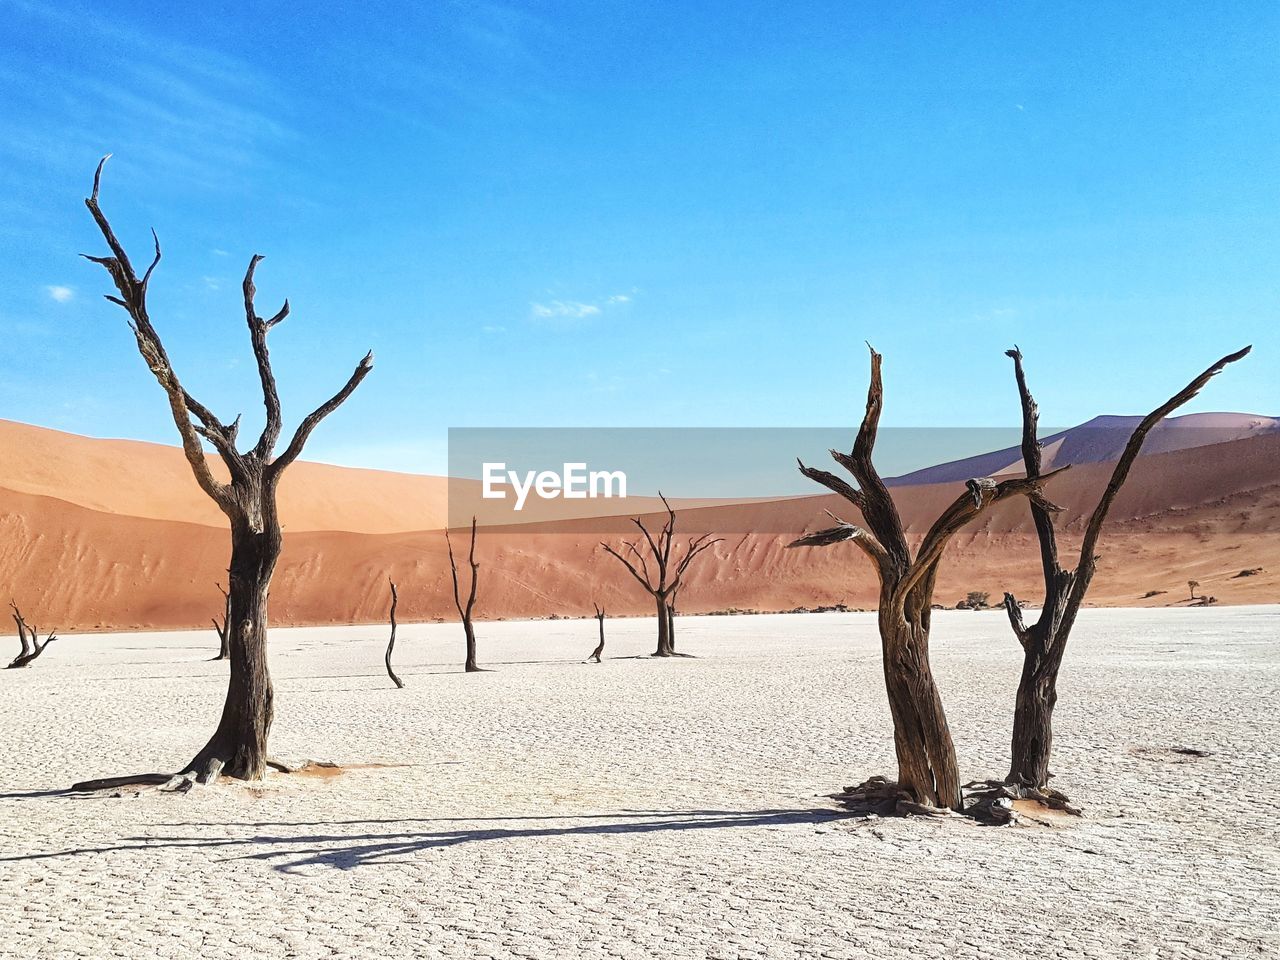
x: 572, y: 311
x: 60, y: 294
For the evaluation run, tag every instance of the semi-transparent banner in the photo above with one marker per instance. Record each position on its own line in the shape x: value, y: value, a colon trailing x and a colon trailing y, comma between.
x: 746, y: 480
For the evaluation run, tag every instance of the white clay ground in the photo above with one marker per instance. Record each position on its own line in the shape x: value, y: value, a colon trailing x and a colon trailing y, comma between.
x: 644, y: 808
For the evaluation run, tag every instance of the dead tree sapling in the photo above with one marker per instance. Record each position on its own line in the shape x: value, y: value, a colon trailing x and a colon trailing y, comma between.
x: 664, y: 580
x: 598, y: 652
x: 465, y: 609
x: 29, y: 638
x: 928, y: 777
x: 1044, y: 642
x: 224, y: 635
x: 391, y: 643
x: 238, y: 746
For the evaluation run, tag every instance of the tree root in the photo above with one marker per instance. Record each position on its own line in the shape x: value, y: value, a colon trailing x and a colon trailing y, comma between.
x: 991, y: 802
x: 881, y: 797
x: 163, y: 782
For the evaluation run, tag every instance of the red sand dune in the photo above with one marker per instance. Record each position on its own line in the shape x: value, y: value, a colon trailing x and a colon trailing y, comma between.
x: 116, y: 535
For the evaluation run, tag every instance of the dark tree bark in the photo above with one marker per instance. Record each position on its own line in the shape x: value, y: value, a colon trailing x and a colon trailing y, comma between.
x: 664, y: 580
x: 927, y: 772
x: 391, y: 643
x: 1044, y: 643
x: 224, y: 634
x: 238, y: 746
x: 671, y: 621
x: 598, y: 652
x: 28, y: 636
x: 465, y: 609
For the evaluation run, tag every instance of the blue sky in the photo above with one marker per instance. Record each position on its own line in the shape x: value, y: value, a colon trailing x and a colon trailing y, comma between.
x: 589, y: 214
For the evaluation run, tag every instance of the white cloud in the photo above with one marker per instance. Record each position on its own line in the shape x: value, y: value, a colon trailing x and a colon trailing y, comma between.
x: 493, y: 328
x: 571, y: 309
x: 210, y: 283
x: 60, y: 294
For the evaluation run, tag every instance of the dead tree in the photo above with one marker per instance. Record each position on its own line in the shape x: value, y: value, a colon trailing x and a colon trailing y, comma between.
x: 464, y: 610
x: 391, y: 644
x: 927, y: 773
x: 1045, y: 642
x: 671, y: 620
x: 238, y: 746
x: 1192, y: 585
x: 598, y: 652
x: 664, y: 580
x: 28, y: 637
x: 224, y: 635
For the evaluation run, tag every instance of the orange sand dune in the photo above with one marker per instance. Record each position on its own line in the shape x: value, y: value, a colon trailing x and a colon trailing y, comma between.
x: 73, y: 556
x: 153, y: 481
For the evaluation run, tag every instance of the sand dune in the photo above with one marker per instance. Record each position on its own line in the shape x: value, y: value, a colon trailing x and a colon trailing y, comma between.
x: 74, y: 555
x: 1102, y: 440
x: 153, y: 481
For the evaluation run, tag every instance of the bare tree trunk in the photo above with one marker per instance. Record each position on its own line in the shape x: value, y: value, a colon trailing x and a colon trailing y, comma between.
x: 240, y: 740
x: 391, y: 643
x: 598, y: 652
x: 238, y: 746
x: 1033, y: 725
x: 665, y: 646
x: 1044, y: 643
x: 470, y: 666
x: 927, y: 768
x: 224, y: 637
x: 928, y: 776
x: 671, y: 622
x: 466, y: 608
x: 29, y: 637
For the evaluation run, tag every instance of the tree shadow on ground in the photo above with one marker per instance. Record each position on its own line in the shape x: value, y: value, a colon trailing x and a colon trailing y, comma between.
x: 348, y: 851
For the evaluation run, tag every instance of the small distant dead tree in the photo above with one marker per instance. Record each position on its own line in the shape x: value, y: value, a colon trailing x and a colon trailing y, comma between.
x: 1045, y: 642
x: 1194, y: 585
x: 598, y: 652
x: 928, y: 777
x: 224, y: 635
x: 238, y: 747
x: 27, y: 636
x: 664, y: 580
x: 464, y: 610
x: 391, y: 644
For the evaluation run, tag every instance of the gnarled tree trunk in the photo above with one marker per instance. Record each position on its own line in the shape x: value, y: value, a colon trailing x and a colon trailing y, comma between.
x: 928, y: 776
x: 29, y: 637
x: 238, y: 746
x: 1044, y: 643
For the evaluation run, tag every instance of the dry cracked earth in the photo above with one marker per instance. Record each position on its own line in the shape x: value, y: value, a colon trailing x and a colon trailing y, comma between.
x: 644, y: 808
